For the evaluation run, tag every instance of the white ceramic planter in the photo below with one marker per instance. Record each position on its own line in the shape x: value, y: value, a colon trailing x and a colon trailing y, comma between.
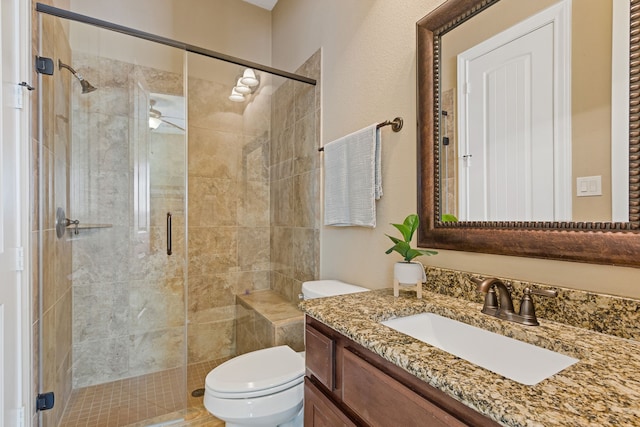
x: 409, y: 273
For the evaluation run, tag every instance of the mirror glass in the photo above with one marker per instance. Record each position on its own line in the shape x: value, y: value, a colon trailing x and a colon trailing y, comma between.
x: 587, y: 234
x: 534, y: 113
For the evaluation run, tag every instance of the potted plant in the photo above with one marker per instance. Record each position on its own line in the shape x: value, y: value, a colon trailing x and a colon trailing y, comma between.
x: 408, y: 272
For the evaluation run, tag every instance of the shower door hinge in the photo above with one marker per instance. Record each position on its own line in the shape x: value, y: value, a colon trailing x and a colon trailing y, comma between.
x: 44, y: 65
x: 20, y: 417
x: 12, y: 260
x: 45, y: 401
x: 19, y: 259
x: 14, y: 95
x: 17, y: 415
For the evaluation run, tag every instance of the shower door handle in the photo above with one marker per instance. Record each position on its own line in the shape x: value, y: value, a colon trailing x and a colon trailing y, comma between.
x: 169, y: 233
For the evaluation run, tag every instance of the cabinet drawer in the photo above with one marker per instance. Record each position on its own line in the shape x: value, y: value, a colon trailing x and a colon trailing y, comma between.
x: 319, y: 357
x: 319, y: 411
x: 382, y: 401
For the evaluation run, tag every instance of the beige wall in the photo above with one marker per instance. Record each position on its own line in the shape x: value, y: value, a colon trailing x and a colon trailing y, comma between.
x: 591, y: 104
x: 232, y: 27
x: 368, y: 76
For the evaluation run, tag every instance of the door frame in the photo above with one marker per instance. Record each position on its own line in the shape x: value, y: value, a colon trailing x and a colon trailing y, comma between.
x: 620, y: 113
x: 19, y: 51
x: 560, y: 16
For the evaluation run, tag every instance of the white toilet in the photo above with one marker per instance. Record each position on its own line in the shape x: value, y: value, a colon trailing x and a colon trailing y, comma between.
x: 265, y: 387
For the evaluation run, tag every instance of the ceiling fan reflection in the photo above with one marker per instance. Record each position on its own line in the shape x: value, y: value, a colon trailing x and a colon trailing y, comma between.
x: 156, y: 118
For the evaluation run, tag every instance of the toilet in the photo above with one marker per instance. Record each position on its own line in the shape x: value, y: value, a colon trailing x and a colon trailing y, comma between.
x: 265, y: 388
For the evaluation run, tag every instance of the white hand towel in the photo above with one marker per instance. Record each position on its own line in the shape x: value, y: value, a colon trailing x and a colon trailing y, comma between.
x: 352, y: 178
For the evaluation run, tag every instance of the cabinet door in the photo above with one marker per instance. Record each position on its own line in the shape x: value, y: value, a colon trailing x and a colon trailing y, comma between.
x: 382, y: 401
x: 320, y: 411
x: 319, y: 357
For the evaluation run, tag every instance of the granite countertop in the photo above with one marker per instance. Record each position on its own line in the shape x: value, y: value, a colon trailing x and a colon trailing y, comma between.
x: 602, y: 389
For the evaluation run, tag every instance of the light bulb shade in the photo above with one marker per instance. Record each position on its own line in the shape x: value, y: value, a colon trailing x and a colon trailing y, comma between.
x: 242, y: 88
x: 235, y: 96
x: 154, y: 122
x: 249, y: 78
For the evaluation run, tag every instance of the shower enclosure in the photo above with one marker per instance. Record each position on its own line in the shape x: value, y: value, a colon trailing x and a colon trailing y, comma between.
x: 158, y: 199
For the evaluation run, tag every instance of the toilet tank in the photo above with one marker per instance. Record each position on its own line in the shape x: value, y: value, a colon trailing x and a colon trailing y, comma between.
x: 328, y: 288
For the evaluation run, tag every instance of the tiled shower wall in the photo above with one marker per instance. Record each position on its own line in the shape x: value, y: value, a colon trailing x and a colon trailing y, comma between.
x: 295, y: 182
x: 253, y: 200
x: 128, y: 294
x: 228, y: 210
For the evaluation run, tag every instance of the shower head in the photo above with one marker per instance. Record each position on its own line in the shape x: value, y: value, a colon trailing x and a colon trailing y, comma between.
x: 86, y: 86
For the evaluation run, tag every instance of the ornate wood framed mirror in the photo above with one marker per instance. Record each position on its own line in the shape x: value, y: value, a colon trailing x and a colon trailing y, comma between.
x: 567, y: 233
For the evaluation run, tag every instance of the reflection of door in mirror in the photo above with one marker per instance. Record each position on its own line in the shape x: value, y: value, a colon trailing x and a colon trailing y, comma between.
x: 582, y: 113
x: 512, y: 127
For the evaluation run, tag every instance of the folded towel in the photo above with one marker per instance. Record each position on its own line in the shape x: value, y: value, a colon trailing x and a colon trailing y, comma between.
x: 352, y: 178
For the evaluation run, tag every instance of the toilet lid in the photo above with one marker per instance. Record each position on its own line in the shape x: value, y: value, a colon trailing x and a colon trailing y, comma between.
x: 329, y: 288
x: 259, y: 370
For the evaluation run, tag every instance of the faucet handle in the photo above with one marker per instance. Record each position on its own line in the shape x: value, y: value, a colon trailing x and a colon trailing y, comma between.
x: 527, y: 310
x: 490, y: 302
x: 476, y: 280
x: 542, y: 292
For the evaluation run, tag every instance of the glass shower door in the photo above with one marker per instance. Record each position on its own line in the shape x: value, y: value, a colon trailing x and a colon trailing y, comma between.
x: 111, y: 227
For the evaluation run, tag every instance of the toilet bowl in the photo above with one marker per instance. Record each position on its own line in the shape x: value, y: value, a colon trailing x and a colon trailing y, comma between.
x: 265, y: 388
x: 261, y: 388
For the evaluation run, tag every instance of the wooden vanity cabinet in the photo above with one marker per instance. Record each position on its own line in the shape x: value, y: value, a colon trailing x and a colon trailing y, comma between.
x: 348, y: 385
x: 320, y: 411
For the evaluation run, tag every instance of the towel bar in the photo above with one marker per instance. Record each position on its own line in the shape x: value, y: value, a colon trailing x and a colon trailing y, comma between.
x: 396, y: 126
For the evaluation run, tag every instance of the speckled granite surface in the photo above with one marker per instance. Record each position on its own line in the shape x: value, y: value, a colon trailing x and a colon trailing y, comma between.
x: 608, y: 314
x: 602, y: 389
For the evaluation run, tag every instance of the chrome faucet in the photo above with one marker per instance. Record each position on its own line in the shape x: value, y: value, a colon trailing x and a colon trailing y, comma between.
x: 504, y: 310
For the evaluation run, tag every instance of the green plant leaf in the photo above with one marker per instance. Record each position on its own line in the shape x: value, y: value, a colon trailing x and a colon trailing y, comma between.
x: 408, y: 227
x: 411, y: 254
x: 403, y: 247
x: 449, y: 218
x: 405, y: 230
x: 427, y: 252
x: 400, y: 247
x: 393, y: 239
x: 412, y: 221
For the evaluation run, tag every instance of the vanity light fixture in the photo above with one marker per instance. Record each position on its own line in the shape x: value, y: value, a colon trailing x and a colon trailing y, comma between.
x: 249, y: 78
x: 236, y: 96
x: 246, y: 84
x: 242, y: 88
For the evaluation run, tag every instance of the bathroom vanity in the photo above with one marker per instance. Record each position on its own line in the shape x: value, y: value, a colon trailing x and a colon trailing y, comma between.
x: 360, y: 372
x: 348, y: 385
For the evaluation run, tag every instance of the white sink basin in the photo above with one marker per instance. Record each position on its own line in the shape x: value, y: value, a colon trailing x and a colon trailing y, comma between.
x: 516, y: 360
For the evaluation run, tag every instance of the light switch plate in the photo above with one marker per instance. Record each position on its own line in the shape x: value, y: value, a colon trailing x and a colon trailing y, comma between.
x: 589, y: 186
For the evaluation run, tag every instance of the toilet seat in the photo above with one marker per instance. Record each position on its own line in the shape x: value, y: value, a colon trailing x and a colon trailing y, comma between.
x: 255, y: 374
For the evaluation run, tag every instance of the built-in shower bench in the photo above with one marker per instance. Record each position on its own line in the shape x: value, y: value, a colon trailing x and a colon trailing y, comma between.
x: 265, y: 319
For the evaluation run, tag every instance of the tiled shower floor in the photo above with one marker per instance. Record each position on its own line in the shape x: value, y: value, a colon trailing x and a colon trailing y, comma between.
x: 153, y: 399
